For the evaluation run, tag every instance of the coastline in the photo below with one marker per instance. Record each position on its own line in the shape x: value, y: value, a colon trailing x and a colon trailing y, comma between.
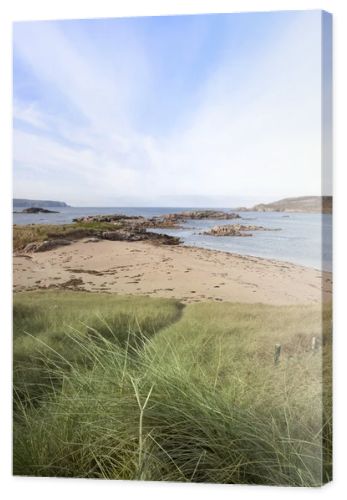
x: 187, y: 273
x: 299, y: 239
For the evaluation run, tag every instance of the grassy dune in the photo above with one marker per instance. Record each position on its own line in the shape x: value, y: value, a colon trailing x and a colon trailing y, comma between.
x: 22, y: 235
x: 140, y: 388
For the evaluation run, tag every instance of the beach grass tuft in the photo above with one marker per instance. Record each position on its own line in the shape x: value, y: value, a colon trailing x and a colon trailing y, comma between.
x: 117, y: 387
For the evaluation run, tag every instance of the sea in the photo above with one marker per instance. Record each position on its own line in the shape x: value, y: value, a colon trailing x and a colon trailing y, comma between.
x: 303, y: 238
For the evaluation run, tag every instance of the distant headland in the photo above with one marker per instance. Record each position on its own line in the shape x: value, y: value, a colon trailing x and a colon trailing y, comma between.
x: 305, y: 204
x: 23, y: 203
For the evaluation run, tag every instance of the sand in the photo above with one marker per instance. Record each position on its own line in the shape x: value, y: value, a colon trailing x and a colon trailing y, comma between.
x: 186, y: 273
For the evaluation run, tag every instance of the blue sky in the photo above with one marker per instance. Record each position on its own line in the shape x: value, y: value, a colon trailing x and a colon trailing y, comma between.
x: 180, y: 110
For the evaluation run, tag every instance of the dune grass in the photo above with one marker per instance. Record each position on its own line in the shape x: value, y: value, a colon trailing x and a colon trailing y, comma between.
x: 45, y: 325
x: 139, y: 388
x: 22, y: 235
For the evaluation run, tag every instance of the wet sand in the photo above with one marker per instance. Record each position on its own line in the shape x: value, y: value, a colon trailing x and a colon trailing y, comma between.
x: 186, y: 273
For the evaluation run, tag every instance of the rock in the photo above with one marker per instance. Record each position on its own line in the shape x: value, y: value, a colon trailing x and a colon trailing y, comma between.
x: 51, y: 244
x: 44, y: 246
x: 30, y: 247
x: 163, y: 239
x: 228, y: 230
x: 93, y: 240
x: 37, y: 210
x: 130, y: 222
x: 201, y: 214
x: 108, y: 218
x: 122, y: 235
x: 140, y: 235
x: 236, y: 230
x: 161, y: 222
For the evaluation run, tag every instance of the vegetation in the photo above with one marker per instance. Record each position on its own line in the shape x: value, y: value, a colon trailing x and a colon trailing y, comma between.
x: 22, y: 235
x: 139, y: 388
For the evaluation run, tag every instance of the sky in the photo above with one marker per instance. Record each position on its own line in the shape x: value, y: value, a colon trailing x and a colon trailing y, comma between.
x: 203, y: 110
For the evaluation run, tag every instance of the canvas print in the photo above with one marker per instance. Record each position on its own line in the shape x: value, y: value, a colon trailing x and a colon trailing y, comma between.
x: 172, y: 252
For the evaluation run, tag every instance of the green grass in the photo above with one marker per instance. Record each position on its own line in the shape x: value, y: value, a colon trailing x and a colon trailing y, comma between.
x: 22, y: 235
x: 139, y: 388
x: 46, y: 324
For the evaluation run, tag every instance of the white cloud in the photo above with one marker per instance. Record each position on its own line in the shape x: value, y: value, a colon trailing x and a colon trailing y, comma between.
x: 258, y: 137
x: 29, y: 114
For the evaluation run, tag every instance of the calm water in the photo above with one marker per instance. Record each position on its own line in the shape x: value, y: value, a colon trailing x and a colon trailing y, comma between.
x: 304, y: 238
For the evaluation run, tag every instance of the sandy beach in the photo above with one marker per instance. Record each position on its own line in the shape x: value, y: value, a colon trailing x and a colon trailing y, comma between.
x: 186, y: 273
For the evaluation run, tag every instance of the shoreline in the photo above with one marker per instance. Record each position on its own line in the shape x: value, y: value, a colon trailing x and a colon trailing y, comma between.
x: 141, y: 268
x: 266, y: 259
x: 283, y: 247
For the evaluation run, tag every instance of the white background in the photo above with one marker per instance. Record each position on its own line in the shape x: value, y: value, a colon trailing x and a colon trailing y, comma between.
x: 30, y: 488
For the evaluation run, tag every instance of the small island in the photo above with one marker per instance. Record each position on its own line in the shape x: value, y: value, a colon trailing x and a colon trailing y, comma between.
x: 37, y: 210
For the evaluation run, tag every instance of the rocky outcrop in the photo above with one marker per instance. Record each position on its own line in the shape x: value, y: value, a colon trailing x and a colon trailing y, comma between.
x: 165, y: 221
x: 201, y: 214
x: 109, y: 218
x: 236, y: 230
x: 161, y: 223
x: 37, y: 210
x: 124, y: 235
x: 44, y: 246
x: 130, y: 222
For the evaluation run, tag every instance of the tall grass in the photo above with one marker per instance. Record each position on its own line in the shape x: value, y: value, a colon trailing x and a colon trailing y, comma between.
x: 44, y: 324
x: 179, y: 397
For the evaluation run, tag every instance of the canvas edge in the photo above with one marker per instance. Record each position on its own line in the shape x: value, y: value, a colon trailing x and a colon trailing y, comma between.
x: 326, y: 188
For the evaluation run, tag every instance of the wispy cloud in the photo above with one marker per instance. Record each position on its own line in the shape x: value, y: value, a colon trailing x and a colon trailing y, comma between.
x: 252, y: 127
